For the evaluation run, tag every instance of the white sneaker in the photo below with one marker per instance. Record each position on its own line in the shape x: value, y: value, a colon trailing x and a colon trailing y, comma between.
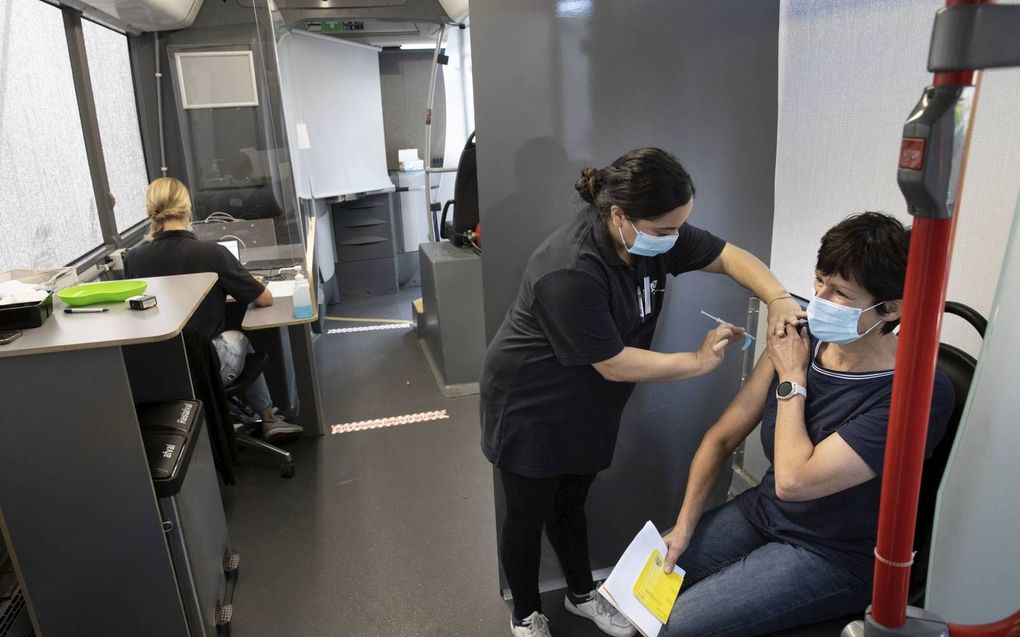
x: 534, y: 625
x: 606, y: 617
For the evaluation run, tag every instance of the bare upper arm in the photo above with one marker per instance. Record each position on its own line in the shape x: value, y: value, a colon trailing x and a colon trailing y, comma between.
x: 265, y: 299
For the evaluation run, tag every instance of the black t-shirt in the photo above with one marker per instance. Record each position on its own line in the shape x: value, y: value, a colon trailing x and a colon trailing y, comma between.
x: 841, y: 527
x: 180, y: 252
x: 545, y: 410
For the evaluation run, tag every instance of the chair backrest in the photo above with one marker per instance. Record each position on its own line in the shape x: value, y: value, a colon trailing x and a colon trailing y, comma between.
x: 465, y: 197
x: 959, y: 367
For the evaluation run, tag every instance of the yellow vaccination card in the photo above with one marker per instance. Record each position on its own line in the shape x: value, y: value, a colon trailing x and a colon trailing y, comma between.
x: 655, y: 589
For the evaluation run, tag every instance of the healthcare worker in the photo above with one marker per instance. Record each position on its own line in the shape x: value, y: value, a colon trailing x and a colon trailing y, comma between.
x: 565, y: 360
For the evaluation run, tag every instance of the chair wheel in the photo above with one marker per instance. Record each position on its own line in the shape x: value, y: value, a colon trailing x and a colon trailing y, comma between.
x: 287, y: 470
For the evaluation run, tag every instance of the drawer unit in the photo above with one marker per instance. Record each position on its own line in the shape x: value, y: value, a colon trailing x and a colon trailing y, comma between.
x: 366, y: 248
x: 363, y: 229
x: 367, y: 278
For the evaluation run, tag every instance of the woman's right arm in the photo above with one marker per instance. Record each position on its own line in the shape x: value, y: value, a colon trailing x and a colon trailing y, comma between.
x: 265, y: 299
x: 740, y: 418
x: 636, y: 365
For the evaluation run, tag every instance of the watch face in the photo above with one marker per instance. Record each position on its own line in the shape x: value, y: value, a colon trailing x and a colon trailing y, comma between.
x: 785, y: 389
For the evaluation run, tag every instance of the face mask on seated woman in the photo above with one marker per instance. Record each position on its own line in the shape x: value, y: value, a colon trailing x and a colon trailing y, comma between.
x: 834, y: 323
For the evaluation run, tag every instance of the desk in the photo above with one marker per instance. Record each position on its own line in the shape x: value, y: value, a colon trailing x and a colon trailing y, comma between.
x: 281, y: 315
x: 79, y: 513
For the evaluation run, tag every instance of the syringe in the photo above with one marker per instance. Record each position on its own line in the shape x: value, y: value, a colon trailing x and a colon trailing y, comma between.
x: 748, y: 338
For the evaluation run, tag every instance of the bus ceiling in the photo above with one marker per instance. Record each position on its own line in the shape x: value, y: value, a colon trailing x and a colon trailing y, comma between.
x: 376, y: 22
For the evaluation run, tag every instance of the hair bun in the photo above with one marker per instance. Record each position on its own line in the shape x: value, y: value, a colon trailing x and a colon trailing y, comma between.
x: 590, y: 184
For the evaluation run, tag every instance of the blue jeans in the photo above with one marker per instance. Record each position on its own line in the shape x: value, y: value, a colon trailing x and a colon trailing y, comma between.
x: 232, y: 347
x: 741, y: 583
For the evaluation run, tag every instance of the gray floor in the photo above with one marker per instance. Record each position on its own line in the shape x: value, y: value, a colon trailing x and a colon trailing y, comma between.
x: 382, y: 532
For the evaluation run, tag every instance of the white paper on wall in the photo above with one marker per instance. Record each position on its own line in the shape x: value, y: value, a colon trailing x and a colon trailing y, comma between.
x: 331, y: 89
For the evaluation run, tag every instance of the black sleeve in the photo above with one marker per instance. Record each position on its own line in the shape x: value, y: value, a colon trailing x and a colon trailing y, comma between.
x: 866, y: 434
x: 695, y: 249
x: 572, y: 308
x: 238, y: 282
x: 128, y: 265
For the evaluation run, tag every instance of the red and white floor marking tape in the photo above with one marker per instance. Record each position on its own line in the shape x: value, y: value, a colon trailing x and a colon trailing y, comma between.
x: 392, y: 421
x: 370, y: 328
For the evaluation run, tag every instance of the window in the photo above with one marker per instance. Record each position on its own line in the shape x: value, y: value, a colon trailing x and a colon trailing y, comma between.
x: 114, y: 93
x: 48, y: 214
x: 217, y: 79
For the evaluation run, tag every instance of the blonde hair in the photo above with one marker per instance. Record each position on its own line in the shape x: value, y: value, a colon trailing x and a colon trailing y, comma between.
x: 165, y: 200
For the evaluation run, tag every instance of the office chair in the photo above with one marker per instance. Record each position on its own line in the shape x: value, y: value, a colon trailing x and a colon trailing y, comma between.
x: 254, y: 364
x: 959, y: 367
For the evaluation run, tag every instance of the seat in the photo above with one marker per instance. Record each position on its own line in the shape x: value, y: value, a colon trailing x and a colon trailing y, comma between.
x: 254, y: 365
x: 959, y: 367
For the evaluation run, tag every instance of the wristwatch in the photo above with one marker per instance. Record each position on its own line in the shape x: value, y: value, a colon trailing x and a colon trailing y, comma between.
x: 788, y: 389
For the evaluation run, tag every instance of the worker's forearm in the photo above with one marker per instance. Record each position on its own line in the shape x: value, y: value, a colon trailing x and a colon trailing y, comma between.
x: 749, y: 271
x: 635, y: 365
x: 265, y: 299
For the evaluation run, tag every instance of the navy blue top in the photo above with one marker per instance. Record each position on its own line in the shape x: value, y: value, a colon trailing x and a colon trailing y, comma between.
x: 841, y: 527
x: 545, y: 410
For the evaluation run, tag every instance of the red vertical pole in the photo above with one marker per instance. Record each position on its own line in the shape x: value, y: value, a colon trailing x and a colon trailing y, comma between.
x: 923, y: 299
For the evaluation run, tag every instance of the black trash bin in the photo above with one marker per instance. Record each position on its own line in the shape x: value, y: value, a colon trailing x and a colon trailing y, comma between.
x: 169, y: 430
x: 184, y: 479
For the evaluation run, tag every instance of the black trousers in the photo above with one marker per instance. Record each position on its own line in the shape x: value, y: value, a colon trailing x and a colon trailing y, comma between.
x: 558, y: 504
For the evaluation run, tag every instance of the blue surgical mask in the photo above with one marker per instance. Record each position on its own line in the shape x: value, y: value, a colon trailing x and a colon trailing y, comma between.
x: 834, y: 323
x: 646, y: 245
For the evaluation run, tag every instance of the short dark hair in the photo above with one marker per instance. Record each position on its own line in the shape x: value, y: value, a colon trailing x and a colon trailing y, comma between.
x: 646, y: 182
x: 869, y: 248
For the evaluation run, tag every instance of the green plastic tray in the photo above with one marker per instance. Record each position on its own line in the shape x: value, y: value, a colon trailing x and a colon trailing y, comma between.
x: 103, y: 292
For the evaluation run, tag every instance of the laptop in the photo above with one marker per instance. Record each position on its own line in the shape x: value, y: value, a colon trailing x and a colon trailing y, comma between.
x: 233, y: 246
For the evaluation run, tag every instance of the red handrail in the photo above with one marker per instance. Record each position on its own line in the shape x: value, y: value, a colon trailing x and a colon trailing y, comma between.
x: 923, y: 300
x: 1009, y: 627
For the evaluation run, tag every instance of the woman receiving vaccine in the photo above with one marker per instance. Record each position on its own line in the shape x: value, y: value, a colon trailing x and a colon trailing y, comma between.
x: 798, y: 548
x: 573, y: 345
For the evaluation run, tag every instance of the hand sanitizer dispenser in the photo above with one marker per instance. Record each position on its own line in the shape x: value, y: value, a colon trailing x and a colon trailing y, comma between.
x: 302, y: 298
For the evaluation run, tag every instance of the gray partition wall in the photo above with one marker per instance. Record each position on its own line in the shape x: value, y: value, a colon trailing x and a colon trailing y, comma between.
x: 560, y: 85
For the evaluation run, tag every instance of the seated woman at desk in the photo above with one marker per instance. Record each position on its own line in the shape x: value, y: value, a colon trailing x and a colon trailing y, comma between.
x: 798, y: 548
x: 173, y: 249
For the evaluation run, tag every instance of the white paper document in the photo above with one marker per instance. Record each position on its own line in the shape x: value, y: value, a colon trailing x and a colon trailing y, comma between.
x: 281, y: 288
x: 619, y: 586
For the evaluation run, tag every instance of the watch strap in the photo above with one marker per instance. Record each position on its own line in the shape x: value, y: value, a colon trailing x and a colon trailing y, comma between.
x: 796, y: 390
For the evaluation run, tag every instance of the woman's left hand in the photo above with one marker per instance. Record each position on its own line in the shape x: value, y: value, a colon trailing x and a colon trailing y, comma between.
x: 790, y: 354
x: 783, y: 312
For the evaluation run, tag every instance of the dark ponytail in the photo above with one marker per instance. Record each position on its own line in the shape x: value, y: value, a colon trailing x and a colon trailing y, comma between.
x: 647, y: 183
x: 589, y: 185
